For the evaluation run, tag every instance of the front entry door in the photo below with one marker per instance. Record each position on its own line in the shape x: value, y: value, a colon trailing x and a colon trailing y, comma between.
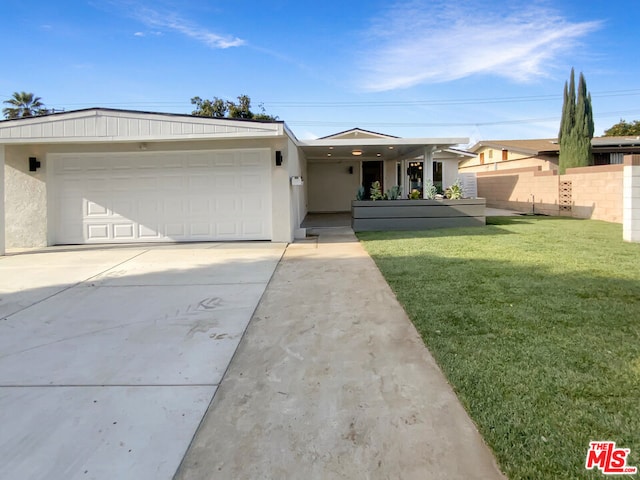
x: 371, y: 172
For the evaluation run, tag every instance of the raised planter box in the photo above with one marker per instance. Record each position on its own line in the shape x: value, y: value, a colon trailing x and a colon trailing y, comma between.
x: 367, y: 215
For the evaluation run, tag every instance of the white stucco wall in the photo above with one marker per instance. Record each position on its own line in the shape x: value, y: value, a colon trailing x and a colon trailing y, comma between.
x: 296, y: 164
x: 281, y: 198
x: 331, y: 187
x: 25, y: 198
x: 631, y: 199
x: 449, y: 172
x: 2, y: 236
x: 26, y: 192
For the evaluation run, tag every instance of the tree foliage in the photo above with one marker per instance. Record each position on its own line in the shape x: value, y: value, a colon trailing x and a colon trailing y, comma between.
x: 576, y: 125
x: 623, y: 128
x: 219, y: 108
x: 23, y: 104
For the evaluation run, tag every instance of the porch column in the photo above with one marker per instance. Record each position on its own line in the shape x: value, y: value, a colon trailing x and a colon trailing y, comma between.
x: 631, y: 199
x: 427, y: 173
x: 2, y: 234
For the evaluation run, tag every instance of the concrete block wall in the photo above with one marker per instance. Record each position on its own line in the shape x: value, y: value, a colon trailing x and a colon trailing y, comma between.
x: 596, y: 191
x: 523, y: 189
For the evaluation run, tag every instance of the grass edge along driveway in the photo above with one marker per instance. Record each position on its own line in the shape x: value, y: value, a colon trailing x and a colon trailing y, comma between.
x: 535, y: 321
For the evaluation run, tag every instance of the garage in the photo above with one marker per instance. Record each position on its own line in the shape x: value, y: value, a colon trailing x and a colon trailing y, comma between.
x: 161, y: 196
x: 101, y: 176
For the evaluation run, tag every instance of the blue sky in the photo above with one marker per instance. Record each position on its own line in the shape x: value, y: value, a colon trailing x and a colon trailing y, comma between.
x: 418, y: 68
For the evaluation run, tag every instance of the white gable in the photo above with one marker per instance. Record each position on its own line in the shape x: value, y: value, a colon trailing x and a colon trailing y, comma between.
x: 356, y: 133
x: 118, y: 125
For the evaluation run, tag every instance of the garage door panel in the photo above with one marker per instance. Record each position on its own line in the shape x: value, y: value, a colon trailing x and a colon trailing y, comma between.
x: 251, y: 159
x: 98, y: 231
x: 166, y: 196
x: 176, y: 231
x: 123, y: 208
x: 252, y: 227
x: 224, y: 159
x: 124, y: 231
x: 200, y: 183
x: 172, y: 183
x: 96, y: 208
x: 149, y: 231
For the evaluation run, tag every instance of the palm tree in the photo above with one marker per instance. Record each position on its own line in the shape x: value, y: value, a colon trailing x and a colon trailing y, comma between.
x: 24, y: 104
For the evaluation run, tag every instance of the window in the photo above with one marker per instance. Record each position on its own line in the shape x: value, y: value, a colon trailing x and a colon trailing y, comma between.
x: 490, y: 154
x: 482, y: 158
x: 505, y: 154
x: 399, y: 174
x: 437, y: 175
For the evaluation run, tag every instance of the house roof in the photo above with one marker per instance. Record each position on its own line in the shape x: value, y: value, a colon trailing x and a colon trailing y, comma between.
x: 527, y: 147
x: 357, y: 133
x: 106, y: 124
x: 551, y: 146
x: 114, y: 125
x: 628, y: 141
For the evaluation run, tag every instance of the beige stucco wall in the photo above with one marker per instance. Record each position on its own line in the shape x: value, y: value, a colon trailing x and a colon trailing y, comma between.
x: 330, y: 186
x: 26, y: 192
x: 25, y: 198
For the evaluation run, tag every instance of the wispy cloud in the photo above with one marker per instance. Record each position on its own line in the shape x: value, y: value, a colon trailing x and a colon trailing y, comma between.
x: 169, y: 20
x: 422, y: 41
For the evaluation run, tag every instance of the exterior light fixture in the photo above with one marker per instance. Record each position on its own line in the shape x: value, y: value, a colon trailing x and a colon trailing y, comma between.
x: 378, y: 154
x: 328, y: 154
x: 278, y: 158
x: 356, y: 152
x: 34, y: 164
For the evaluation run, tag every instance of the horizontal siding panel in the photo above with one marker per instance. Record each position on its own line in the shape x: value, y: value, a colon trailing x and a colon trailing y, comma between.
x: 145, y: 127
x: 121, y: 126
x: 112, y: 127
x: 133, y: 127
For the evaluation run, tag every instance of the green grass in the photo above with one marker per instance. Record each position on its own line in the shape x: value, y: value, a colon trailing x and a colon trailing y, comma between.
x: 535, y: 321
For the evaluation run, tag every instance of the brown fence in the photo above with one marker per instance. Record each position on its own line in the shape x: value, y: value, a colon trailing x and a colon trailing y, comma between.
x: 587, y: 192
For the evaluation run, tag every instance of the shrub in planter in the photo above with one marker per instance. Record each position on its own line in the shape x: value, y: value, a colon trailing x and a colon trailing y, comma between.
x: 393, y: 193
x: 454, y: 192
x: 430, y: 190
x: 375, y: 191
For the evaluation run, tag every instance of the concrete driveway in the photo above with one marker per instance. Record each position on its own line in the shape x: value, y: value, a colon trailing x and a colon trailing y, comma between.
x: 110, y: 356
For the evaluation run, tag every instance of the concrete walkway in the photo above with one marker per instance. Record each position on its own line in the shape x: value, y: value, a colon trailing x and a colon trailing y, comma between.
x: 332, y: 381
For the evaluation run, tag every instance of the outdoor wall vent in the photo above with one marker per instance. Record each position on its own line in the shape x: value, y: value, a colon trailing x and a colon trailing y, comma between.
x: 34, y: 164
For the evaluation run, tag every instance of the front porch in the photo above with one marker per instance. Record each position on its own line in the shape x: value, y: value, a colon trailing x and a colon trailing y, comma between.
x: 337, y: 166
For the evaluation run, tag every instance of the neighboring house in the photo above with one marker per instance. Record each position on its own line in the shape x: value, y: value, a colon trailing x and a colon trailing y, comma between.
x: 491, y: 155
x: 115, y: 176
x: 611, y: 150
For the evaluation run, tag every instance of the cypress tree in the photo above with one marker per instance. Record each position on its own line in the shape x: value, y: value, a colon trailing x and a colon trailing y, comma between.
x: 576, y: 125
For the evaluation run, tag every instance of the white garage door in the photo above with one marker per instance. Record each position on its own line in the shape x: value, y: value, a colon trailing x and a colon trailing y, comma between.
x: 167, y: 196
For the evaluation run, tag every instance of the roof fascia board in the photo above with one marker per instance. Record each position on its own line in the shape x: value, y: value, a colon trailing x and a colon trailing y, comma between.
x: 382, y: 142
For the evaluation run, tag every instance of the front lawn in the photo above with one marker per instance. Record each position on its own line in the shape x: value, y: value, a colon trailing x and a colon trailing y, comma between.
x: 535, y: 321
